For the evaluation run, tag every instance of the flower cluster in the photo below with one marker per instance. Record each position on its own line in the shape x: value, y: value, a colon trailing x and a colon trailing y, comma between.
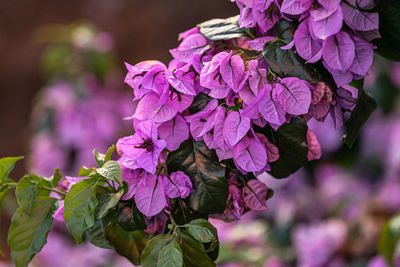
x: 334, y: 31
x: 221, y: 92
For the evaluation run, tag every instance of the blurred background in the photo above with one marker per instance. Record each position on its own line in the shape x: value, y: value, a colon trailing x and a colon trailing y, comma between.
x: 61, y: 85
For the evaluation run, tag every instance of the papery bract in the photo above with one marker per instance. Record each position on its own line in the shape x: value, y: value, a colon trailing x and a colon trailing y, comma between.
x: 293, y: 94
x: 150, y: 194
x: 339, y: 51
x: 250, y: 155
x: 233, y: 72
x: 235, y: 127
x: 256, y: 195
x: 177, y: 185
x: 174, y: 132
x: 360, y: 20
x: 328, y: 26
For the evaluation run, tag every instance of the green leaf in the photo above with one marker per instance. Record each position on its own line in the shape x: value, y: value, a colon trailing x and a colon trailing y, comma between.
x: 99, y: 157
x: 365, y: 106
x: 291, y: 140
x: 97, y: 234
x: 287, y: 63
x: 222, y: 29
x: 170, y: 255
x: 79, y: 207
x: 206, y: 173
x: 27, y: 190
x: 3, y: 191
x: 106, y: 201
x: 103, y: 158
x: 57, y: 176
x: 127, y: 244
x: 85, y: 171
x: 182, y: 214
x: 385, y: 92
x: 152, y: 250
x: 129, y: 217
x: 194, y: 254
x: 111, y: 171
x: 6, y: 166
x: 203, y: 231
x: 200, y: 101
x: 28, y: 233
x: 389, y: 29
x: 389, y: 239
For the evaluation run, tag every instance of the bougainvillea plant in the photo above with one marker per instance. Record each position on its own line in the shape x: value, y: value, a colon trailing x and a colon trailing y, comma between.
x: 233, y: 103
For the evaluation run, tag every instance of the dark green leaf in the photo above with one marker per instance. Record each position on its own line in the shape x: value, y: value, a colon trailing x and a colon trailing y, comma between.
x: 385, y: 92
x: 222, y: 29
x: 111, y: 171
x: 106, y: 200
x: 365, y: 106
x: 182, y: 214
x: 199, y: 102
x: 194, y: 254
x: 206, y: 173
x: 79, y: 207
x: 152, y: 250
x: 287, y: 63
x: 170, y: 255
x: 6, y: 166
x: 28, y: 233
x: 129, y: 217
x: 389, y: 239
x: 97, y: 234
x: 203, y: 231
x: 389, y: 28
x: 291, y: 140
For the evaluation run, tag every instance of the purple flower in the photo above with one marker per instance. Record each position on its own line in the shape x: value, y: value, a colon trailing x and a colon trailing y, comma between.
x: 339, y: 51
x: 271, y: 149
x: 182, y: 81
x: 150, y: 194
x: 192, y: 44
x: 270, y: 109
x: 233, y: 72
x: 293, y: 95
x: 174, y: 132
x: 256, y: 195
x: 307, y: 47
x: 142, y: 149
x: 235, y: 127
x: 145, y: 77
x: 257, y: 77
x: 131, y: 177
x: 150, y: 108
x: 295, y: 7
x: 250, y: 155
x: 210, y: 76
x: 357, y: 19
x: 323, y: 25
x: 364, y: 55
x: 314, y: 149
x: 177, y: 185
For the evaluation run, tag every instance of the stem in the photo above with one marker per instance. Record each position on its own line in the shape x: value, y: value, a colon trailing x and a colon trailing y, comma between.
x: 53, y: 190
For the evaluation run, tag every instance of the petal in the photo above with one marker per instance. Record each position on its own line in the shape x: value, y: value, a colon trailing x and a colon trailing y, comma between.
x: 177, y: 185
x: 306, y: 46
x: 364, y: 55
x: 293, y: 94
x: 339, y: 51
x: 329, y: 26
x: 150, y: 196
x: 256, y: 195
x: 174, y: 132
x: 250, y: 155
x: 233, y: 72
x: 358, y: 20
x: 235, y: 127
x: 314, y: 148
